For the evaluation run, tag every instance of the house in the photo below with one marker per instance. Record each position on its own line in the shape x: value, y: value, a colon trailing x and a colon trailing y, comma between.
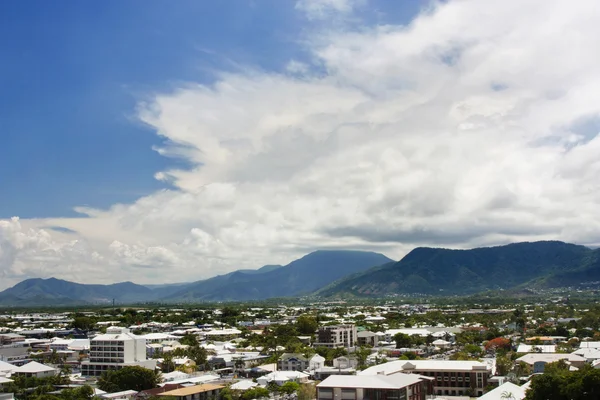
x: 337, y: 336
x: 379, y: 386
x: 34, y: 369
x: 292, y: 362
x: 114, y: 350
x: 281, y: 377
x: 196, y: 392
x: 4, y: 380
x: 145, y: 394
x: 537, y: 361
x: 344, y: 362
x: 541, y: 348
x: 316, y: 361
x: 450, y: 378
x: 6, y: 368
x: 367, y: 338
x: 441, y: 343
x: 124, y: 395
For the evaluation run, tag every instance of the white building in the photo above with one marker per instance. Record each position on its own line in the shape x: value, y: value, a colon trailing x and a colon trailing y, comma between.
x: 116, y: 349
x: 337, y: 336
x: 34, y: 369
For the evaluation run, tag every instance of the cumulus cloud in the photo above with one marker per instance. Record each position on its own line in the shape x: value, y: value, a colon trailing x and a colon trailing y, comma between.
x: 473, y: 125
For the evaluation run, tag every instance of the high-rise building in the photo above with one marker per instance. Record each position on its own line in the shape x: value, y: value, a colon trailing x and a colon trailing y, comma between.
x: 116, y: 349
x: 337, y: 336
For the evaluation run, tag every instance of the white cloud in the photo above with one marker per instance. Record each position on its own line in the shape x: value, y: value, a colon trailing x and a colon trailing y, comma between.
x: 321, y: 9
x: 461, y: 129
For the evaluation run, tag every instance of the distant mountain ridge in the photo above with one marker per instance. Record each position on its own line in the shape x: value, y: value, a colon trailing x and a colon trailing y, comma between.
x: 438, y: 271
x: 302, y: 276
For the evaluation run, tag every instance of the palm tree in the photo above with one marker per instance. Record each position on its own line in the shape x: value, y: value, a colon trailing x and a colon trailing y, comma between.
x: 507, y: 395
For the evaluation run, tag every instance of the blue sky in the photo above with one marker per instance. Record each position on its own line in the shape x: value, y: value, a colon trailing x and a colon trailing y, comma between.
x: 74, y: 71
x: 298, y: 125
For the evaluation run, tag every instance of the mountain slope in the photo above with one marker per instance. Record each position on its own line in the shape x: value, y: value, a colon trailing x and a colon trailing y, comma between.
x: 57, y: 291
x: 437, y: 271
x: 301, y: 276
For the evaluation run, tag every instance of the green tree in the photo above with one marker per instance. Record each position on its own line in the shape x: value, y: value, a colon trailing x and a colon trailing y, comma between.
x: 306, y: 324
x: 128, y: 378
x: 83, y: 323
x: 289, y: 387
x: 189, y: 340
x: 255, y: 393
x: 402, y: 340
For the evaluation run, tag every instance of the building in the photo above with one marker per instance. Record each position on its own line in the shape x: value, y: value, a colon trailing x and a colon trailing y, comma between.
x: 450, y: 378
x: 337, y: 336
x: 34, y: 369
x: 367, y: 338
x: 292, y: 362
x: 196, y: 392
x: 537, y: 361
x: 506, y: 391
x: 114, y: 350
x: 374, y: 387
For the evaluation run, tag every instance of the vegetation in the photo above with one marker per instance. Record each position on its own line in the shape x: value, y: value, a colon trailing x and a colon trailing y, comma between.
x: 128, y: 378
x: 558, y: 383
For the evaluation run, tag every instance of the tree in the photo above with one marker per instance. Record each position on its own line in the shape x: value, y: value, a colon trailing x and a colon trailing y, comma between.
x: 497, y: 344
x: 307, y: 391
x: 128, y: 378
x: 289, y: 387
x: 306, y: 324
x: 189, y: 340
x: 255, y: 393
x: 361, y: 354
x: 197, y: 354
x: 83, y: 323
x: 402, y: 340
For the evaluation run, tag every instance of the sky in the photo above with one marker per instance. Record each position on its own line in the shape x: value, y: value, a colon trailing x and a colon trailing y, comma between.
x: 162, y: 142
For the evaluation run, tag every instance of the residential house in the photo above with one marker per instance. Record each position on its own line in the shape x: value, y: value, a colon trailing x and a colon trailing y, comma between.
x: 197, y: 392
x: 281, y: 377
x: 344, y: 362
x: 34, y: 369
x: 292, y: 362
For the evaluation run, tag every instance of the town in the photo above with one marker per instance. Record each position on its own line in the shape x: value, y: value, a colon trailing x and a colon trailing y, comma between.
x: 318, y: 350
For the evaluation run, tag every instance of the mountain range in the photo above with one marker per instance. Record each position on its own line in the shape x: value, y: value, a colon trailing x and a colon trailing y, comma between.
x: 300, y: 277
x: 544, y: 264
x: 329, y: 274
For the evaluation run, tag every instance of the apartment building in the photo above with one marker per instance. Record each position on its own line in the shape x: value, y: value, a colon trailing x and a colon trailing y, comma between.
x: 337, y: 336
x: 449, y: 378
x: 114, y: 350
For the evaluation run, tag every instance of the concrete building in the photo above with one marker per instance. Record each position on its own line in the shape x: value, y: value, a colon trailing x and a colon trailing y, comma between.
x: 374, y: 387
x: 450, y: 378
x: 367, y: 338
x: 337, y: 336
x: 114, y: 350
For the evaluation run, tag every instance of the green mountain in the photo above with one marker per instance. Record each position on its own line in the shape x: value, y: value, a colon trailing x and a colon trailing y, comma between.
x: 300, y: 277
x: 54, y: 291
x: 443, y: 271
